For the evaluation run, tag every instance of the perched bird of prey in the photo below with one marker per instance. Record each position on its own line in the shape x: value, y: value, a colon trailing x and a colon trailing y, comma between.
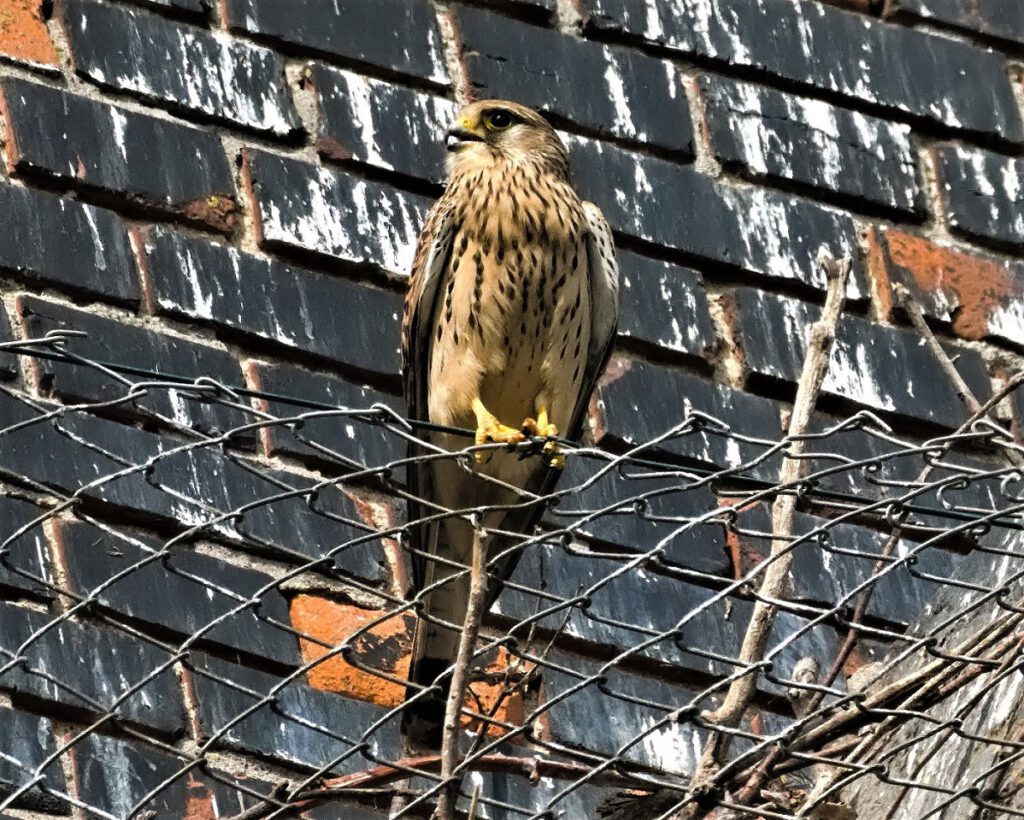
x: 509, y: 320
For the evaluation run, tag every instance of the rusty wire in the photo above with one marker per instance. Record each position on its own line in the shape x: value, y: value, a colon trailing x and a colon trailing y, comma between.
x: 940, y: 681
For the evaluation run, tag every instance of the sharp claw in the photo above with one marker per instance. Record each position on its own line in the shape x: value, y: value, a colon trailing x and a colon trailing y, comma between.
x: 496, y: 432
x: 553, y: 454
x: 543, y: 429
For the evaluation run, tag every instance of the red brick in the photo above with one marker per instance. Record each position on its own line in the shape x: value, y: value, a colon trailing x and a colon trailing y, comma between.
x: 23, y: 34
x: 977, y: 294
x: 383, y: 646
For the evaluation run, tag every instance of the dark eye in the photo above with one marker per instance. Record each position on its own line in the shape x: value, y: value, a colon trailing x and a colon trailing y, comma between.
x: 498, y: 120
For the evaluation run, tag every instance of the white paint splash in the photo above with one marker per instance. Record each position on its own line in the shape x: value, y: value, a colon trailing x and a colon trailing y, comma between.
x: 622, y: 124
x: 118, y: 121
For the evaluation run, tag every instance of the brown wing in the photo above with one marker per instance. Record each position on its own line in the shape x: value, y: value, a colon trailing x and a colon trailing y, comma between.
x: 419, y: 323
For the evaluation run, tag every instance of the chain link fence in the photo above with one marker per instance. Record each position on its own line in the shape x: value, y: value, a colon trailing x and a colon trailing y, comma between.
x: 182, y: 614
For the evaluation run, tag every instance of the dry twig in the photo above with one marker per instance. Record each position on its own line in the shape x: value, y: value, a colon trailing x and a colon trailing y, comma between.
x: 756, y: 779
x: 819, y: 347
x: 460, y: 678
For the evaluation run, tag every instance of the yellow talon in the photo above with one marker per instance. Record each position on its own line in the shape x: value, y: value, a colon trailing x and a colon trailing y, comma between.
x: 543, y: 428
x: 489, y: 429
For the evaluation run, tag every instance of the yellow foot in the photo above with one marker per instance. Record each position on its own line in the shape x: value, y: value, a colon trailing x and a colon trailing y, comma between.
x: 489, y: 429
x: 540, y: 427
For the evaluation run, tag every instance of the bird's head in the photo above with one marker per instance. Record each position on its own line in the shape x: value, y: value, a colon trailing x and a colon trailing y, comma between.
x: 491, y: 131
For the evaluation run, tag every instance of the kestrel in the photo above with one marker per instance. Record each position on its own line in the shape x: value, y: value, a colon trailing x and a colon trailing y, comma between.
x: 509, y: 321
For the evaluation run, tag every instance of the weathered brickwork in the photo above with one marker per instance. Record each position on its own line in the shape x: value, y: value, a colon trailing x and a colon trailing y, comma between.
x: 24, y: 38
x: 233, y: 190
x: 982, y: 193
x: 381, y: 124
x: 914, y: 72
x: 52, y: 133
x: 991, y: 17
x: 180, y: 67
x: 399, y: 35
x: 980, y: 295
x: 610, y: 90
x: 810, y: 142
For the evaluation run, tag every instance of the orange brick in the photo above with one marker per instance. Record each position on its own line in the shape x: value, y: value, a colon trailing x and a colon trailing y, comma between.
x: 200, y: 804
x: 976, y: 293
x: 384, y: 646
x: 23, y: 34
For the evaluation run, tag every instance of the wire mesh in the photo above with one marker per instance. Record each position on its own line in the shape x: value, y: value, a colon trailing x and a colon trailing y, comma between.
x: 178, y: 605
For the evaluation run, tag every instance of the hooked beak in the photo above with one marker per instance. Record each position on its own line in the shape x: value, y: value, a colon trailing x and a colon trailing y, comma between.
x: 458, y: 137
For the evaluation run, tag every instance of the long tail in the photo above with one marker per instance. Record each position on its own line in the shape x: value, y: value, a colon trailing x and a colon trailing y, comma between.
x: 423, y: 715
x: 435, y: 645
x: 438, y: 629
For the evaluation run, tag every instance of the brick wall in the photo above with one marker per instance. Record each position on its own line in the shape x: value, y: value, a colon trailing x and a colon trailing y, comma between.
x: 234, y: 190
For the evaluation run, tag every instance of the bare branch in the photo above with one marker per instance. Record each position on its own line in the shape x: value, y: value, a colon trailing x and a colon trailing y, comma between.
x: 460, y: 678
x: 819, y: 347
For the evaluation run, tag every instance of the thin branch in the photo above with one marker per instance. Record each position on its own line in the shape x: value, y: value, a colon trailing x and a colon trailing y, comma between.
x: 460, y: 678
x: 963, y: 390
x: 386, y: 774
x: 819, y: 347
x: 759, y: 776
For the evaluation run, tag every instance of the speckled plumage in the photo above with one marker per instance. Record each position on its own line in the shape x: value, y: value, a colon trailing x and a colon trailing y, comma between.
x: 509, y: 317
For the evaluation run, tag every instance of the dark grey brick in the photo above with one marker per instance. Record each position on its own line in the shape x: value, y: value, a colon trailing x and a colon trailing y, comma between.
x: 997, y: 18
x: 1016, y: 403
x: 864, y: 461
x: 28, y: 740
x: 882, y: 367
x: 811, y: 142
x: 329, y: 811
x: 180, y: 66
x: 544, y: 796
x: 8, y: 362
x: 382, y: 124
x: 27, y: 552
x: 327, y: 316
x: 309, y: 208
x: 400, y: 35
x: 197, y: 6
x: 605, y: 717
x: 190, y: 486
x: 666, y: 503
x: 673, y: 205
x: 924, y: 74
x: 94, y: 557
x: 43, y: 232
x: 302, y: 726
x: 643, y: 401
x: 100, y: 663
x: 110, y: 340
x: 984, y: 193
x: 606, y: 88
x: 79, y: 461
x: 852, y: 444
x: 543, y: 10
x: 623, y: 612
x: 365, y: 444
x: 114, y: 775
x: 664, y: 305
x: 541, y: 794
x: 75, y: 138
x: 638, y: 604
x: 829, y: 568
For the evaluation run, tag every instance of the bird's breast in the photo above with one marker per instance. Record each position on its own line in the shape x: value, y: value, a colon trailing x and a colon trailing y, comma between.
x: 512, y: 299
